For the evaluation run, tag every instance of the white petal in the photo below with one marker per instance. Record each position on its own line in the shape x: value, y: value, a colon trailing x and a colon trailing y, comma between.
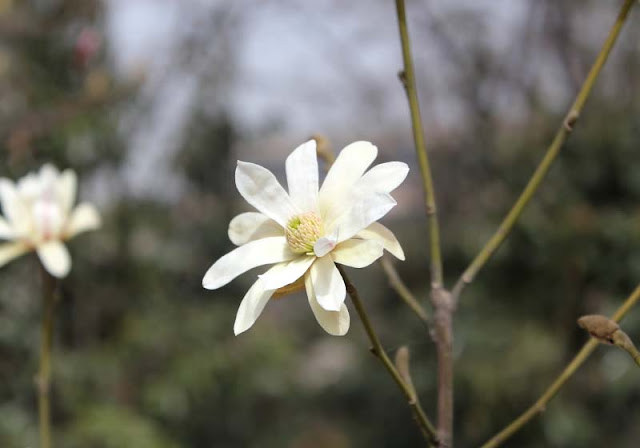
x: 349, y: 166
x: 9, y: 251
x: 261, y: 189
x: 324, y: 245
x: 251, y: 307
x: 55, y: 258
x: 66, y: 190
x: 48, y: 173
x: 248, y: 256
x: 335, y: 323
x: 13, y: 207
x: 327, y: 283
x: 83, y: 218
x: 302, y: 176
x: 383, y: 178
x: 6, y: 232
x: 286, y: 273
x: 252, y: 226
x: 357, y: 253
x: 378, y: 232
x: 361, y: 215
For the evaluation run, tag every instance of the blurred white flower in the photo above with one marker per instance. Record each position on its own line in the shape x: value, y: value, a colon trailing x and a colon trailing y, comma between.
x: 38, y: 215
x: 309, y: 229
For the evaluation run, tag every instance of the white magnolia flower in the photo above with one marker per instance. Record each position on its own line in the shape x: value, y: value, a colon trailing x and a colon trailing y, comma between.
x: 38, y: 216
x: 306, y: 231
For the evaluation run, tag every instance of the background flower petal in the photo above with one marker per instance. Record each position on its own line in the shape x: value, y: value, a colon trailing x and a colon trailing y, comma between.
x: 13, y: 208
x: 66, y: 187
x: 251, y: 226
x: 302, y: 176
x: 55, y: 258
x: 84, y: 217
x: 378, y: 232
x: 286, y: 273
x: 6, y: 232
x: 251, y: 307
x: 357, y: 253
x: 9, y: 251
x: 248, y: 256
x: 261, y: 189
x: 329, y: 288
x: 335, y: 323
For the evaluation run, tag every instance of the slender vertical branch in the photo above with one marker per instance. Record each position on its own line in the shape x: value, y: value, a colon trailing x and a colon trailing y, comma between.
x: 441, y: 299
x: 421, y: 418
x: 46, y: 342
x: 540, y: 405
x: 408, y: 79
x: 538, y: 176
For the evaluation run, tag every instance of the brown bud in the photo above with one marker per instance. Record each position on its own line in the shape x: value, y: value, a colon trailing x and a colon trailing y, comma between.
x: 600, y: 327
x: 323, y: 149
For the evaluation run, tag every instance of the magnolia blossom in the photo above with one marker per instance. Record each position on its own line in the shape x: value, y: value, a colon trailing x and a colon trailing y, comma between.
x: 38, y: 215
x: 309, y: 229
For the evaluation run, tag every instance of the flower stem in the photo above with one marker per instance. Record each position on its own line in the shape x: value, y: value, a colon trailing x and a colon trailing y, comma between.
x: 538, y: 176
x: 421, y: 418
x: 44, y: 374
x: 540, y: 405
x: 408, y: 79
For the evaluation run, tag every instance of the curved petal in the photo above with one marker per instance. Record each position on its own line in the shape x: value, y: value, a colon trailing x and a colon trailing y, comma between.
x: 251, y: 307
x: 383, y: 178
x: 9, y: 251
x: 286, y: 273
x: 6, y: 232
x: 349, y: 166
x: 378, y: 232
x: 357, y: 253
x: 248, y: 256
x: 361, y: 215
x: 13, y: 207
x: 83, y: 218
x: 329, y: 288
x: 335, y: 323
x: 55, y: 258
x: 66, y: 190
x: 261, y: 189
x: 302, y: 176
x: 251, y: 226
x: 324, y: 245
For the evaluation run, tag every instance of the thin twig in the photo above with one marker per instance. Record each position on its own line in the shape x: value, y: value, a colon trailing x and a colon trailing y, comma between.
x: 421, y: 418
x: 538, y: 176
x: 540, y: 405
x: 403, y: 291
x: 409, y: 82
x: 44, y: 373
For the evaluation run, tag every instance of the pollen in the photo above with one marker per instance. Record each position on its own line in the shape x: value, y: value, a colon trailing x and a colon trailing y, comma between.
x: 303, y: 231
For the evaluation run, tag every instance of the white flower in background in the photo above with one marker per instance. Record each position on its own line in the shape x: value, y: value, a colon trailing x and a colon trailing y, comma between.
x: 38, y: 215
x: 306, y: 231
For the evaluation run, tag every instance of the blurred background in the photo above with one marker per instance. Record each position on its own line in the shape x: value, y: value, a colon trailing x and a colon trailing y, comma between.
x: 153, y: 101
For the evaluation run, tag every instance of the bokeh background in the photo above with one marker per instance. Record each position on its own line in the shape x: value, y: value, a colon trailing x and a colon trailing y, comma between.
x: 153, y: 101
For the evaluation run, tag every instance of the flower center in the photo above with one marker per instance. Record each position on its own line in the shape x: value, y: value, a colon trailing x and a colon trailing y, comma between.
x: 303, y: 231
